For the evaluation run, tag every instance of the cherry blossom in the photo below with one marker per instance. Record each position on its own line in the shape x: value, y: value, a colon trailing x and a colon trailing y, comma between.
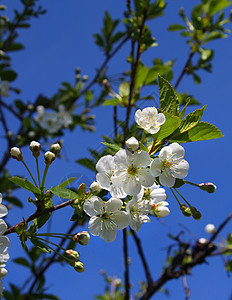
x: 106, y: 217
x: 3, y: 210
x: 149, y: 119
x: 170, y: 165
x: 132, y: 172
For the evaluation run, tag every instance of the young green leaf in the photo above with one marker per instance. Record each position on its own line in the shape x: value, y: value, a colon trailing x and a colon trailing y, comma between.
x: 66, y: 182
x: 25, y: 184
x: 112, y: 146
x: 170, y: 125
x: 168, y: 98
x: 40, y: 245
x: 191, y: 120
x: 63, y: 193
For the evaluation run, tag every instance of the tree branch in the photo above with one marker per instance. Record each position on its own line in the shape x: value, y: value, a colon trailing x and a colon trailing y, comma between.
x: 126, y: 264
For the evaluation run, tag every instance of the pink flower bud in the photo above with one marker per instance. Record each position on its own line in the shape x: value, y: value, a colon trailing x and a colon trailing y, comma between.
x: 16, y: 153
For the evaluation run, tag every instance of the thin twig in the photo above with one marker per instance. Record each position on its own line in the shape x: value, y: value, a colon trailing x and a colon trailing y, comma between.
x: 184, y: 70
x: 39, y: 214
x: 186, y: 289
x: 126, y: 265
x: 142, y: 256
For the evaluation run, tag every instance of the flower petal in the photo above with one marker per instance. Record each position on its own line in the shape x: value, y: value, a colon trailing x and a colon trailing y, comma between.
x: 122, y: 159
x: 145, y: 177
x: 177, y: 150
x: 113, y: 205
x: 181, y: 170
x: 3, y: 227
x: 3, y: 210
x: 103, y: 180
x: 132, y: 186
x: 121, y: 219
x: 108, y: 232
x: 156, y: 167
x: 105, y: 164
x: 95, y: 225
x: 166, y: 180
x: 93, y: 206
x: 141, y: 159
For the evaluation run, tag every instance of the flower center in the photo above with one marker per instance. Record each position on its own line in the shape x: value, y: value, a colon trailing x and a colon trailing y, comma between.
x: 166, y: 164
x: 132, y: 170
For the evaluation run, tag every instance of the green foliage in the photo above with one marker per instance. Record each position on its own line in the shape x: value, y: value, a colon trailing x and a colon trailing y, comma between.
x: 25, y: 184
x: 63, y: 193
x: 168, y: 98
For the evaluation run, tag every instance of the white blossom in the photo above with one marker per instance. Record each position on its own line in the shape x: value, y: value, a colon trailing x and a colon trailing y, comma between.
x: 210, y: 228
x: 149, y: 119
x: 4, y: 88
x: 138, y: 210
x: 132, y: 144
x: 170, y: 165
x: 132, y: 172
x: 48, y: 120
x: 64, y: 116
x: 95, y: 187
x: 160, y: 209
x: 3, y: 211
x: 106, y: 168
x: 106, y: 217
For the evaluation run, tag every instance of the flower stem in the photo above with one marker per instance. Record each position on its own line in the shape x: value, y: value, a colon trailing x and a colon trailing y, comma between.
x: 52, y: 249
x: 191, y: 183
x: 44, y: 175
x: 37, y: 166
x: 51, y: 243
x: 29, y: 172
x: 182, y: 197
x: 175, y: 196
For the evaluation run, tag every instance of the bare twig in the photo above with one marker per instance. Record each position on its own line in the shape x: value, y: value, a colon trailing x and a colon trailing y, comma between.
x: 184, y: 70
x: 126, y: 265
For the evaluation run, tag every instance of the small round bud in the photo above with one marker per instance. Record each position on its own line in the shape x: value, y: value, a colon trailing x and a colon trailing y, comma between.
x: 208, y: 187
x: 30, y: 107
x: 49, y: 157
x: 78, y: 70
x: 3, y: 272
x: 82, y: 238
x: 16, y: 153
x: 9, y: 134
x: 79, y: 267
x: 195, y: 213
x: 185, y: 210
x: 85, y: 78
x: 95, y: 187
x: 35, y: 146
x: 78, y: 77
x: 55, y: 148
x: 159, y: 210
x: 132, y: 144
x: 31, y: 134
x: 210, y: 228
x: 73, y: 254
x: 203, y: 241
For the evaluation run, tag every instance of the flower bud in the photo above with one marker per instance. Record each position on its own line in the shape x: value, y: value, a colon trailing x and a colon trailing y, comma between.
x: 73, y: 254
x: 55, y: 148
x: 85, y: 78
x: 3, y: 272
x: 82, y: 238
x: 185, y: 210
x: 49, y: 157
x: 35, y: 148
x: 79, y: 267
x: 208, y: 187
x: 30, y: 107
x: 16, y: 153
x: 78, y: 70
x: 195, y: 213
x: 132, y: 144
x: 95, y: 187
x: 203, y: 241
x: 210, y: 228
x: 159, y: 210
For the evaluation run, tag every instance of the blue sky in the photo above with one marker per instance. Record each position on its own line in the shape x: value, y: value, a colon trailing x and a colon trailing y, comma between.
x: 56, y: 44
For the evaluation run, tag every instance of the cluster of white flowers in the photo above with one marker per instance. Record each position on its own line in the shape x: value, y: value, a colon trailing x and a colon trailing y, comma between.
x: 4, y: 88
x: 53, y: 121
x: 133, y: 174
x: 4, y: 244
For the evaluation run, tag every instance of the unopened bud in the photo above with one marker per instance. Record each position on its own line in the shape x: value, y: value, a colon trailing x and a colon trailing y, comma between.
x: 3, y: 272
x: 82, y: 238
x: 9, y: 134
x: 132, y: 144
x: 95, y: 187
x: 203, y: 241
x: 79, y: 267
x: 185, y: 210
x: 30, y: 107
x: 49, y: 157
x: 181, y: 12
x: 210, y: 228
x: 208, y: 187
x: 73, y: 254
x: 55, y: 148
x: 35, y: 148
x: 195, y: 213
x: 159, y: 210
x: 78, y: 77
x: 78, y: 70
x: 85, y: 78
x: 16, y: 153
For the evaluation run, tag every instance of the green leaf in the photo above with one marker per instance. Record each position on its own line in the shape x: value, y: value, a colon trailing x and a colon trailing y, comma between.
x: 40, y: 221
x: 153, y: 73
x: 40, y: 245
x: 217, y: 5
x: 191, y: 120
x: 66, y: 182
x: 124, y: 89
x: 112, y: 146
x: 113, y: 102
x: 168, y: 98
x: 88, y: 163
x: 25, y: 184
x: 214, y: 35
x: 140, y: 76
x: 170, y: 125
x: 196, y: 78
x: 182, y: 113
x: 206, y: 54
x: 22, y: 261
x: 13, y: 200
x: 63, y: 193
x: 8, y: 75
x: 201, y: 132
x: 15, y: 46
x: 176, y: 27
